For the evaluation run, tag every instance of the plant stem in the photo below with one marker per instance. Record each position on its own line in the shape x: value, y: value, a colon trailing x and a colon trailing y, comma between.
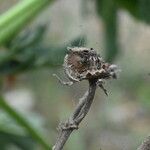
x: 75, y: 119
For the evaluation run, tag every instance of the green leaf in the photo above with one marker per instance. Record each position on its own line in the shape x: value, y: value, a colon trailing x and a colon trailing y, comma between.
x: 22, y: 121
x: 16, y: 18
x: 129, y: 5
x: 138, y: 8
x: 107, y: 9
x: 23, y: 142
x: 27, y: 52
x: 144, y: 10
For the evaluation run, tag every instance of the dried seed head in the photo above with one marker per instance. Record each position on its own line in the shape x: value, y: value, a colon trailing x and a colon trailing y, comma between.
x: 85, y: 63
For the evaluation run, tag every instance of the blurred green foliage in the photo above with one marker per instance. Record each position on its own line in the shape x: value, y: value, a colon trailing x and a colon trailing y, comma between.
x: 10, y: 24
x: 26, y: 51
x: 12, y: 21
x: 22, y: 142
x: 21, y: 53
x: 21, y: 120
x: 107, y: 9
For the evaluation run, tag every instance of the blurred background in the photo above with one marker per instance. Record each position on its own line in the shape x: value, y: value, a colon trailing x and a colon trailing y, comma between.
x: 34, y: 35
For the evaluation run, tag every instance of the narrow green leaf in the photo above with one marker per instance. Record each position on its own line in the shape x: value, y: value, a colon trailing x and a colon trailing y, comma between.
x: 23, y: 142
x: 17, y: 17
x: 24, y: 123
x: 107, y: 9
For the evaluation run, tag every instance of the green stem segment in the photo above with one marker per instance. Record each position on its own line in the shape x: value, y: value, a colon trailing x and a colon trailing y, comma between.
x: 24, y: 123
x: 12, y: 21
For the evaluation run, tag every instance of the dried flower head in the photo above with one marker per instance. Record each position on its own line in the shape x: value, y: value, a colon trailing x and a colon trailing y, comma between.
x: 85, y: 63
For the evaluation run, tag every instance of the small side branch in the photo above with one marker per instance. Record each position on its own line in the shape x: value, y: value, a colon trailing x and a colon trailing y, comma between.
x: 81, y: 110
x: 63, y: 82
x: 145, y: 144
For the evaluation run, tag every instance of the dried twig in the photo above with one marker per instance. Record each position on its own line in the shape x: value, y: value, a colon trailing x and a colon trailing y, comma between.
x: 65, y: 129
x: 82, y: 63
x: 145, y: 144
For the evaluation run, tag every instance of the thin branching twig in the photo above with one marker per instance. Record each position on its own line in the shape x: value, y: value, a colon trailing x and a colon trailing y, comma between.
x: 82, y: 63
x: 82, y: 108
